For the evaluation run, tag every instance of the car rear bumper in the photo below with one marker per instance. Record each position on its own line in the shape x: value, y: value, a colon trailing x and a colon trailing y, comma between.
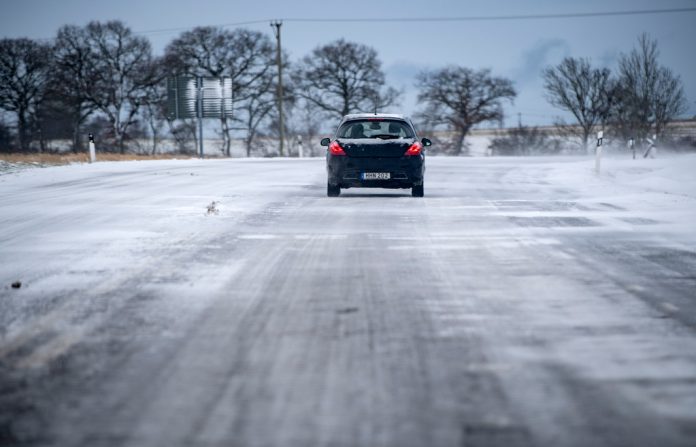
x: 347, y: 171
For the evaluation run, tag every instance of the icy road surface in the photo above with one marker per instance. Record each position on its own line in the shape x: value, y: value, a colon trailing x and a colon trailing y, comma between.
x: 521, y: 302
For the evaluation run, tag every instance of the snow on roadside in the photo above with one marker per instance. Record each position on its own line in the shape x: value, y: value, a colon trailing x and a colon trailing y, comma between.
x: 662, y: 189
x: 674, y: 175
x: 7, y: 167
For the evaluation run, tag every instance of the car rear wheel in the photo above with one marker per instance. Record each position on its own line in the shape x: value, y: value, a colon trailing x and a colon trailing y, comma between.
x: 417, y: 190
x: 333, y: 190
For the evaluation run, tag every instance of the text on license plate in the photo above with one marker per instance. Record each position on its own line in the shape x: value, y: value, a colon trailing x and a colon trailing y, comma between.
x: 376, y: 176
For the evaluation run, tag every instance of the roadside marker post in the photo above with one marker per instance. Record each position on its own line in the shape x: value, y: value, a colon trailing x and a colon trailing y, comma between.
x: 92, y: 150
x: 598, y: 152
x: 299, y: 146
x: 652, y: 150
x: 631, y: 146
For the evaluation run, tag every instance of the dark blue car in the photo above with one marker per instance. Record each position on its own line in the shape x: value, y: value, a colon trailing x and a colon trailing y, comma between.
x: 375, y: 151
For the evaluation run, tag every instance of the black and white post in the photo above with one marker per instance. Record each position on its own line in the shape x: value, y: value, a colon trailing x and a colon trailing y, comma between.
x: 92, y: 150
x: 651, y: 152
x: 632, y: 146
x: 598, y: 151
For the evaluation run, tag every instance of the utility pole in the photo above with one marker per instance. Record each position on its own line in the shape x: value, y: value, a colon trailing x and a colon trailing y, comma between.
x: 199, y: 92
x: 281, y: 121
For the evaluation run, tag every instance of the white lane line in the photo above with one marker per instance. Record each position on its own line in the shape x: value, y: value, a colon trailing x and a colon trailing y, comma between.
x: 258, y: 236
x: 669, y: 307
x: 292, y: 236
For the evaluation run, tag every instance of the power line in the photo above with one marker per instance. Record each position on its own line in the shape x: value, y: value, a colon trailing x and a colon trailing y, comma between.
x: 183, y: 28
x: 186, y: 28
x: 500, y: 17
x: 575, y: 15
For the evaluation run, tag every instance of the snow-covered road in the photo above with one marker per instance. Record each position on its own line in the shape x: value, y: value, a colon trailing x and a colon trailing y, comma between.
x: 523, y: 301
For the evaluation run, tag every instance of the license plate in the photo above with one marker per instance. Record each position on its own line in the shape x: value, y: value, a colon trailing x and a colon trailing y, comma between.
x: 376, y: 176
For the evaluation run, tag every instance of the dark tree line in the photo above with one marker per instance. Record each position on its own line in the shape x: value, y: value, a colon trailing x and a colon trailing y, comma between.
x: 523, y: 140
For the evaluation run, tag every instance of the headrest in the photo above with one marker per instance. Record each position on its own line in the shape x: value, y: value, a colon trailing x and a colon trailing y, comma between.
x: 394, y: 128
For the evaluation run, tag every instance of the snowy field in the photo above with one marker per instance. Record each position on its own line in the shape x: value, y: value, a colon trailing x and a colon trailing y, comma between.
x: 522, y: 301
x: 662, y: 191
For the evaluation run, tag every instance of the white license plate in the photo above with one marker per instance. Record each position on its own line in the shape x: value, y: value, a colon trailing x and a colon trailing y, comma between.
x: 376, y: 176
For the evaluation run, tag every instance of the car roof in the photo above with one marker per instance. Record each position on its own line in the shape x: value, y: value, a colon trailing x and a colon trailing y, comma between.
x: 355, y: 116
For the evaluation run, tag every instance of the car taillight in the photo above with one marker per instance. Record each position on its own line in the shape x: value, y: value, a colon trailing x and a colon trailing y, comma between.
x: 415, y: 149
x: 336, y: 148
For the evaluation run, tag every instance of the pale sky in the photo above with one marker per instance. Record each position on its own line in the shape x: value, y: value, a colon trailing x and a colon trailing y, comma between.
x: 517, y: 49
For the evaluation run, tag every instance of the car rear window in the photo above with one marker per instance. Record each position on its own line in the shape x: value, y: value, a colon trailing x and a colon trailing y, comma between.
x: 372, y: 128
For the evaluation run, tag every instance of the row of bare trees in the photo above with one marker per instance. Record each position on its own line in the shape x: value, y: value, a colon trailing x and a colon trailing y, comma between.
x: 101, y: 67
x: 104, y: 77
x: 639, y: 100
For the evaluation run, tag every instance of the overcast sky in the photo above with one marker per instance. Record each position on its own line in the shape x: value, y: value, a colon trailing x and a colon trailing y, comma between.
x: 517, y: 49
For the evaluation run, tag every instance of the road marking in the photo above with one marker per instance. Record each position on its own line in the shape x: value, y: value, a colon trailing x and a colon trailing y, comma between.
x: 669, y: 306
x: 258, y: 236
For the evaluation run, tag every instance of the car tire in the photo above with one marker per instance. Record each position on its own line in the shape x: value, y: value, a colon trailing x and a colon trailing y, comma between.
x: 417, y: 190
x: 333, y: 190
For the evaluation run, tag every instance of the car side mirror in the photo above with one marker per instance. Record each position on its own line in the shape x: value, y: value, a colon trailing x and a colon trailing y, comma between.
x: 426, y: 142
x: 325, y: 141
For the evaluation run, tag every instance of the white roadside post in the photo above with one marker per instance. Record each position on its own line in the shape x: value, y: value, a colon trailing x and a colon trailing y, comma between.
x: 631, y: 146
x: 92, y: 150
x: 598, y: 152
x: 299, y: 146
x: 650, y: 151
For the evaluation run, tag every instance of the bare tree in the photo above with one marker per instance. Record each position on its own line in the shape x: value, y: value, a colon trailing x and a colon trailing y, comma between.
x: 24, y: 70
x: 460, y: 98
x: 154, y: 107
x: 245, y: 56
x: 122, y: 66
x: 343, y: 77
x: 586, y: 92
x: 74, y: 76
x: 648, y: 95
x: 258, y: 107
x: 154, y: 112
